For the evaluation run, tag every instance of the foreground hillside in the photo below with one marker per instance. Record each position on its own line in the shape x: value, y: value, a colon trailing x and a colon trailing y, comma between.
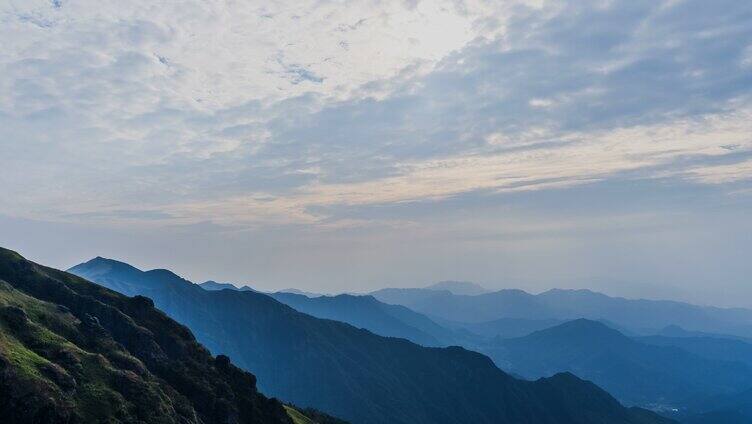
x: 74, y: 352
x: 356, y: 374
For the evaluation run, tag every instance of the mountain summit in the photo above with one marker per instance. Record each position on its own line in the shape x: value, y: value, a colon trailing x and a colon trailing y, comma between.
x: 213, y: 285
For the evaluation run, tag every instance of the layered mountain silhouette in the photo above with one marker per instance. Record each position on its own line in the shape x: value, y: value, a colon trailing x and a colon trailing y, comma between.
x: 633, y: 371
x: 356, y: 374
x: 377, y: 317
x: 503, y: 327
x: 74, y: 352
x: 300, y: 292
x: 635, y: 314
x: 459, y: 287
x: 213, y: 285
x: 711, y: 347
x: 727, y: 409
x: 672, y: 361
x: 676, y: 331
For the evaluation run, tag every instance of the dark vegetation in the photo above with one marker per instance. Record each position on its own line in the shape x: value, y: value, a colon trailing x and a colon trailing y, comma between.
x: 75, y: 352
x: 317, y: 417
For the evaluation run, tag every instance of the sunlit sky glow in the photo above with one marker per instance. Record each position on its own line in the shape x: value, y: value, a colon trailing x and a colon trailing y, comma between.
x: 347, y: 146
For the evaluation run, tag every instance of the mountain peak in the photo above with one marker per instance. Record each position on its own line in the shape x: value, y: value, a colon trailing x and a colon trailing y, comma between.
x: 101, y: 265
x: 466, y: 288
x: 579, y: 292
x: 300, y: 292
x: 102, y: 260
x: 213, y: 285
x: 103, y: 268
x: 579, y: 330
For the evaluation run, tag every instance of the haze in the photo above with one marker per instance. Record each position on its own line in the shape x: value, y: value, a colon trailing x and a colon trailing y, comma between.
x: 347, y: 147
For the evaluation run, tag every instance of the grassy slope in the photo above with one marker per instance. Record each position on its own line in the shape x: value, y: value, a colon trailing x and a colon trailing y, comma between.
x: 78, y: 357
x: 297, y: 416
x: 36, y: 346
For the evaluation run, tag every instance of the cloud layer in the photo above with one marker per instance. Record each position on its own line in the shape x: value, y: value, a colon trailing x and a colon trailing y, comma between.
x: 320, y: 116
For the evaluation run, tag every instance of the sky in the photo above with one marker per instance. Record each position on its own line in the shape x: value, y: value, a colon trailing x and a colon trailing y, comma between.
x: 347, y: 146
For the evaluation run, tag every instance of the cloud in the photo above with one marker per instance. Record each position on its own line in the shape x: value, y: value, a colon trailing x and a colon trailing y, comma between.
x: 719, y: 174
x: 257, y: 115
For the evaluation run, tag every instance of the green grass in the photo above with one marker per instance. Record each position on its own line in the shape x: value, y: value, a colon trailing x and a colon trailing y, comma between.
x: 24, y: 360
x: 25, y: 346
x: 98, y: 403
x: 297, y: 417
x: 55, y: 366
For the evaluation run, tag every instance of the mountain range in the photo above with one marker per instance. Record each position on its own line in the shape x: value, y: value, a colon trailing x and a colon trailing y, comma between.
x: 657, y: 371
x: 465, y: 288
x: 637, y: 371
x: 377, y: 317
x: 502, y: 327
x: 637, y: 315
x: 725, y: 409
x: 712, y: 347
x: 354, y: 373
x: 666, y: 373
x: 662, y: 372
x: 213, y: 285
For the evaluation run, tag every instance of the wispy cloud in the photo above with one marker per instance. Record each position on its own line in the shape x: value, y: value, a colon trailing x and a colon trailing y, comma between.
x: 719, y: 174
x: 257, y: 115
x: 389, y: 142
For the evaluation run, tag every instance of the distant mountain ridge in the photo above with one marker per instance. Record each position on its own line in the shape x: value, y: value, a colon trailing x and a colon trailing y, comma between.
x: 213, y: 285
x: 633, y: 371
x: 558, y: 304
x: 465, y: 288
x: 300, y: 292
x: 711, y: 347
x: 729, y: 409
x: 678, y: 332
x: 358, y: 375
x: 503, y: 327
x: 377, y: 317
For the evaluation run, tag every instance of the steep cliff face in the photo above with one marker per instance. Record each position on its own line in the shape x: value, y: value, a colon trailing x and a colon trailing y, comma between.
x: 75, y: 352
